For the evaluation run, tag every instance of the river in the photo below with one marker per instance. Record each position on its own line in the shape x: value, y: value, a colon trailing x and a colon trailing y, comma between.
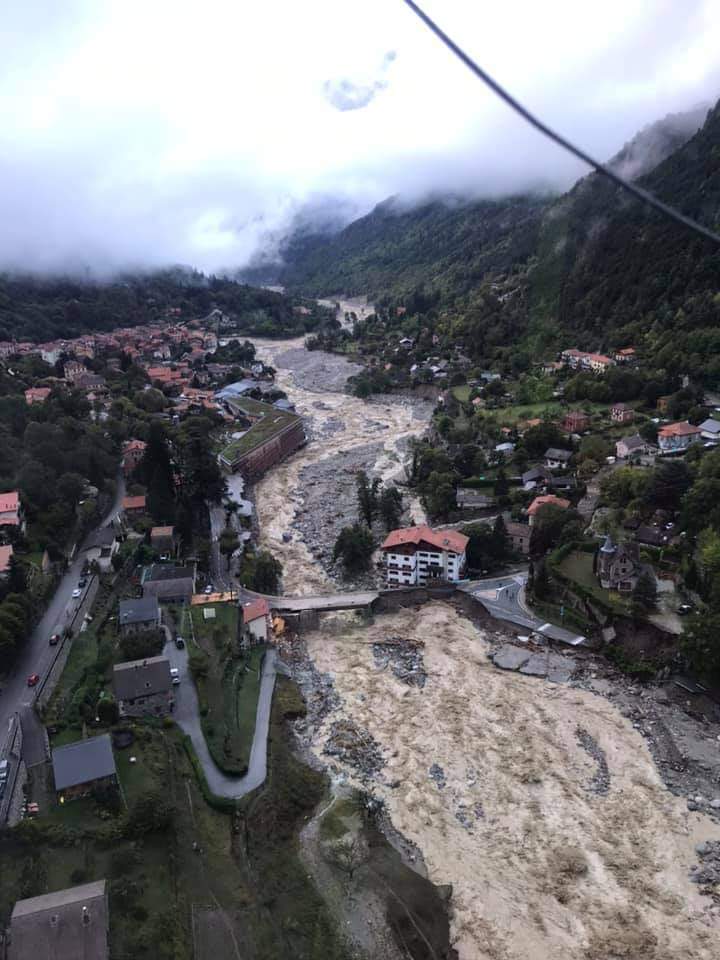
x: 378, y: 430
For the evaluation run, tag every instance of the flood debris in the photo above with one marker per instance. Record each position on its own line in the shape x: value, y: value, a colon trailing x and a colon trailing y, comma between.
x: 600, y: 783
x: 404, y: 657
x: 356, y: 747
x: 707, y: 872
x: 438, y: 775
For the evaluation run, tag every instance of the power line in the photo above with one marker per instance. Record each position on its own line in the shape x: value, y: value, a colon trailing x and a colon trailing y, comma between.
x: 632, y: 188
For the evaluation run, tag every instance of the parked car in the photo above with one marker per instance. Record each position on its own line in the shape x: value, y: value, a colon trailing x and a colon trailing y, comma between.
x: 54, y: 639
x: 33, y: 679
x: 175, y: 676
x: 82, y: 583
x: 209, y: 588
x: 179, y: 643
x: 684, y: 609
x: 77, y: 592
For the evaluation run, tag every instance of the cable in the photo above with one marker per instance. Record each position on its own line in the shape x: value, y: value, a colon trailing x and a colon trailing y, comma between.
x: 636, y: 191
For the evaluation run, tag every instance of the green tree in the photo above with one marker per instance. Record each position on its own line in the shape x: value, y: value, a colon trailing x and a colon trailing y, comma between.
x: 228, y: 543
x: 157, y: 472
x: 438, y: 494
x: 552, y: 527
x: 354, y: 547
x: 645, y: 592
x: 669, y: 481
x: 267, y: 573
x: 391, y: 506
x: 367, y: 497
x: 701, y: 642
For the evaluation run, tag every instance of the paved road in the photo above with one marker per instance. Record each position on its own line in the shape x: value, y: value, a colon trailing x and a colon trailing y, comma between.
x: 504, y: 598
x: 187, y: 716
x: 37, y: 655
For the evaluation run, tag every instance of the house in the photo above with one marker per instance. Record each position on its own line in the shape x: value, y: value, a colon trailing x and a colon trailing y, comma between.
x: 556, y: 459
x: 169, y: 583
x: 634, y: 446
x: 37, y: 395
x: 504, y: 448
x: 101, y: 547
x: 626, y: 355
x: 619, y: 413
x: 63, y: 925
x: 256, y: 619
x: 81, y: 766
x: 663, y: 403
x: 138, y: 615
x: 618, y: 566
x: 519, y: 534
x: 162, y: 539
x: 469, y: 499
x: 419, y: 555
x: 575, y: 421
x: 580, y: 360
x: 548, y: 500
x: 143, y: 688
x: 133, y: 452
x: 11, y: 514
x: 535, y: 477
x: 710, y: 430
x: 133, y: 506
x: 653, y: 536
x: 5, y: 555
x: 72, y: 370
x: 677, y: 437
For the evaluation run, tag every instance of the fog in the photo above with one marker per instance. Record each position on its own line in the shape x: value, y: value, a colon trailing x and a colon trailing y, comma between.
x: 146, y: 132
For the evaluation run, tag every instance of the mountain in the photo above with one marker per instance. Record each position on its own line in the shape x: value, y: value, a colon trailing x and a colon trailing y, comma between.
x: 594, y: 267
x: 44, y: 308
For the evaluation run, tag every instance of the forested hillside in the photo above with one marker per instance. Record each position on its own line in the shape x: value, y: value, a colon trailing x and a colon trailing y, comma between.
x: 43, y: 308
x: 593, y: 267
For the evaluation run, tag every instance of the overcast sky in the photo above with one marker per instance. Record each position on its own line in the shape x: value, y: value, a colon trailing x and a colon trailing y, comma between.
x: 165, y: 131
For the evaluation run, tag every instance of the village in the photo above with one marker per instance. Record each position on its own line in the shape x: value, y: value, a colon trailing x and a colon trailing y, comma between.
x: 179, y: 625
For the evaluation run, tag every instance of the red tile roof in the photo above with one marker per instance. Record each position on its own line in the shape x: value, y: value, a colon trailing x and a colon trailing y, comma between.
x: 683, y: 429
x: 442, y: 539
x: 133, y: 503
x: 255, y: 609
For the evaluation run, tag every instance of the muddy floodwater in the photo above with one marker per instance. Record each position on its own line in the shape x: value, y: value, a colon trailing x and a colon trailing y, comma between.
x: 378, y: 430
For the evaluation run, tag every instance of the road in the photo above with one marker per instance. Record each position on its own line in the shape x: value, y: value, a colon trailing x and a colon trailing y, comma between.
x: 187, y: 716
x: 37, y: 655
x: 504, y: 599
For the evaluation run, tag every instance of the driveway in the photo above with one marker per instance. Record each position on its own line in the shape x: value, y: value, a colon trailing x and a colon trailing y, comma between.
x: 37, y: 655
x: 187, y: 716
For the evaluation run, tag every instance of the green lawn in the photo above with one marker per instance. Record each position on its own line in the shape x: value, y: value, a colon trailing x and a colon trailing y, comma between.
x: 272, y: 421
x: 578, y: 566
x: 462, y: 392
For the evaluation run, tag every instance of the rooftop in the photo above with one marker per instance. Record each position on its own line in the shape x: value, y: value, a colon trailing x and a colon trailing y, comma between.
x: 141, y: 678
x: 83, y: 761
x: 682, y: 429
x: 269, y: 421
x: 442, y: 539
x: 548, y: 500
x: 63, y: 925
x: 138, y: 610
x: 167, y: 571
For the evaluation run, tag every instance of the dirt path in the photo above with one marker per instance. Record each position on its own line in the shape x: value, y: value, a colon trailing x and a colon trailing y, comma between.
x: 337, y: 423
x: 540, y: 803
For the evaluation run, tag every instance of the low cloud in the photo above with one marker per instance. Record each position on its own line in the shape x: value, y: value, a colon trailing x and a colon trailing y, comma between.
x: 133, y: 132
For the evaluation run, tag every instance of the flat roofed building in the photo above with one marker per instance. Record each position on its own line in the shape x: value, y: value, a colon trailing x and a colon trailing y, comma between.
x: 69, y: 924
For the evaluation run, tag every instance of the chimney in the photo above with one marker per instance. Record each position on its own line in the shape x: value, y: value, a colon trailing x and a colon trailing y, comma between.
x: 85, y: 916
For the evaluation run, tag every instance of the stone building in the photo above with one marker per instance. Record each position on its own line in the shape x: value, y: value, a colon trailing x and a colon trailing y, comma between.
x: 143, y: 688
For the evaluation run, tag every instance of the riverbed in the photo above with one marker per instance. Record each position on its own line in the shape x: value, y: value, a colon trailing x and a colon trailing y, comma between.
x: 311, y: 496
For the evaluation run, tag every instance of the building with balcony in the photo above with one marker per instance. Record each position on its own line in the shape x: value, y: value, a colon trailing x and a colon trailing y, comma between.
x: 417, y: 556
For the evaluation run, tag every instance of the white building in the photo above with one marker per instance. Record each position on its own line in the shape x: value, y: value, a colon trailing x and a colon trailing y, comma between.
x: 415, y: 556
x: 256, y: 620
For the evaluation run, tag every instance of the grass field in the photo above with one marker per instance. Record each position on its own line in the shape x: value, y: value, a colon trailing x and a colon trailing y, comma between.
x: 462, y: 392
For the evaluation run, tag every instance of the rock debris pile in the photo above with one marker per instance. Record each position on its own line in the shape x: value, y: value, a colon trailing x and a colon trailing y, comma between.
x: 355, y: 747
x: 404, y: 657
x: 707, y: 872
x: 600, y: 783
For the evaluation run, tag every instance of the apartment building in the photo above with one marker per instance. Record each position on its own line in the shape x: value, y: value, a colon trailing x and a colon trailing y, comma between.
x: 416, y: 556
